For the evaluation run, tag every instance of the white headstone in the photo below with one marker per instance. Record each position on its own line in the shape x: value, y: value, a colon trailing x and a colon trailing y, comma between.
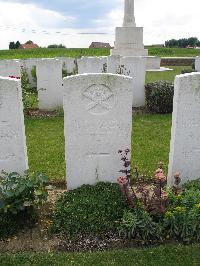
x: 197, y: 63
x: 113, y: 63
x: 29, y: 66
x: 10, y: 68
x: 92, y: 65
x: 13, y: 153
x: 69, y: 65
x: 135, y: 67
x: 185, y: 136
x: 98, y: 122
x: 153, y: 62
x: 49, y: 84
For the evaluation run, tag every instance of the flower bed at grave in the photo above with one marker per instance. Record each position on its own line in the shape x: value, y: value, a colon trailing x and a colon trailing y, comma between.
x: 103, y: 217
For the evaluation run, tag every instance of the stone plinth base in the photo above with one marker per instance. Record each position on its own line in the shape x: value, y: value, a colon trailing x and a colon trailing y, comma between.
x: 129, y: 42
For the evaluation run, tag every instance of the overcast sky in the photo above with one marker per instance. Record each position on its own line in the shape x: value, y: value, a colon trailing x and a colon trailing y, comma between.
x: 66, y: 21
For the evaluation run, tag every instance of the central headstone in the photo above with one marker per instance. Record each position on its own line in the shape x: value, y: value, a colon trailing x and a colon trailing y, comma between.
x: 98, y: 122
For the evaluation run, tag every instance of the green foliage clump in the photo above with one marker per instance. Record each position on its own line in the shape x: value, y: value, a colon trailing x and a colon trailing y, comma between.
x: 20, y: 196
x: 137, y: 223
x: 195, y: 184
x: 182, y: 219
x: 159, y: 97
x: 89, y: 210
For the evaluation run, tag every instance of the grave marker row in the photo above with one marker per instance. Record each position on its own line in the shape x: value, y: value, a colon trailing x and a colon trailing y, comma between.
x: 98, y: 122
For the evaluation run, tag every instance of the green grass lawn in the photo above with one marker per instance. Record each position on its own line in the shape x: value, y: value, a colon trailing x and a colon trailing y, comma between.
x: 78, y: 52
x: 166, y: 75
x: 47, y: 53
x: 169, y: 255
x: 45, y: 141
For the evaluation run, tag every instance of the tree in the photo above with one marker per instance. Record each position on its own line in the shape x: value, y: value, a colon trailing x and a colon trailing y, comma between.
x: 183, y: 43
x: 12, y: 45
x: 56, y: 46
x: 29, y: 42
x: 17, y: 45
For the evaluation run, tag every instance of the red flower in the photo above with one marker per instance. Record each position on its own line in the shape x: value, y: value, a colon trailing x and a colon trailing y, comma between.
x: 122, y: 180
x: 14, y: 77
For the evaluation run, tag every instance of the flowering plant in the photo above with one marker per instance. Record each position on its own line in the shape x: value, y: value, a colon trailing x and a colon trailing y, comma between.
x: 14, y: 77
x: 153, y: 196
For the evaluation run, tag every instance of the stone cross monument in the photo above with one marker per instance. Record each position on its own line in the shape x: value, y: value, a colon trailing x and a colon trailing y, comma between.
x: 129, y: 38
x: 129, y: 18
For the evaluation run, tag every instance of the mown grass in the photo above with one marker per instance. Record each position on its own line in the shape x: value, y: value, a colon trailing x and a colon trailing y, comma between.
x: 174, y: 52
x: 78, y: 52
x: 166, y: 75
x: 49, y: 53
x: 163, y: 255
x: 45, y: 141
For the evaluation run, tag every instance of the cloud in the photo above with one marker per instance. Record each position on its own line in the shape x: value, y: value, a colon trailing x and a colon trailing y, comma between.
x: 61, y: 21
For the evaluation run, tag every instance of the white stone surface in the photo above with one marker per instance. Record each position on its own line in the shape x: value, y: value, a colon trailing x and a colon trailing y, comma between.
x: 10, y: 68
x: 13, y: 152
x: 129, y: 42
x: 49, y: 84
x: 153, y: 62
x: 113, y: 64
x: 197, y: 63
x: 135, y: 67
x: 98, y: 122
x: 129, y: 19
x: 185, y: 135
x: 28, y: 65
x: 161, y: 69
x: 69, y: 64
x: 92, y: 65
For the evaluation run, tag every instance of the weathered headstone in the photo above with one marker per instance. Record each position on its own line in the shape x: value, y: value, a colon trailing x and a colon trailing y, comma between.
x: 13, y: 153
x: 98, y: 122
x: 197, y: 63
x: 153, y: 62
x: 92, y: 65
x: 49, y: 84
x: 113, y: 64
x: 69, y: 65
x: 185, y: 136
x: 135, y: 67
x: 10, y: 68
x: 29, y: 66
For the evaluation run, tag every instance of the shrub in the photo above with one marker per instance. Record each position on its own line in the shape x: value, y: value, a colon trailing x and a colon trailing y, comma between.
x: 19, y: 198
x: 195, y: 184
x: 159, y: 97
x: 183, y: 223
x: 182, y: 220
x: 89, y: 210
x: 138, y: 224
